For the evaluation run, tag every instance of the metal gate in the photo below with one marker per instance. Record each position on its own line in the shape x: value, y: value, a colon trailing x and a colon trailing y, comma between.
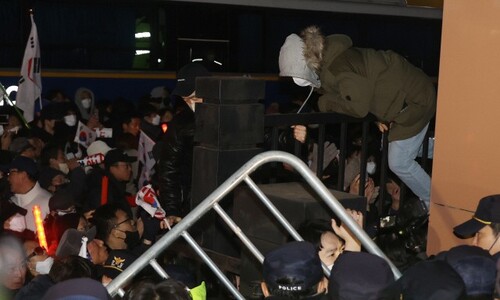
x: 212, y: 202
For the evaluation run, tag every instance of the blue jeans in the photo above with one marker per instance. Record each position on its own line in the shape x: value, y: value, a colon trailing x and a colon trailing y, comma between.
x: 402, y: 162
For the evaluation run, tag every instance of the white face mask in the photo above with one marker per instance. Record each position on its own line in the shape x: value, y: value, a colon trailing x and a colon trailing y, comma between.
x: 43, y: 267
x: 301, y: 82
x: 17, y: 223
x: 1, y: 129
x: 63, y: 167
x: 156, y: 120
x: 70, y: 120
x: 86, y: 103
x: 371, y: 167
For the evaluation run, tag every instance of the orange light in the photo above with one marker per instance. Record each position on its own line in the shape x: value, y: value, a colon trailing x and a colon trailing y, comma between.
x: 164, y: 127
x: 40, y: 231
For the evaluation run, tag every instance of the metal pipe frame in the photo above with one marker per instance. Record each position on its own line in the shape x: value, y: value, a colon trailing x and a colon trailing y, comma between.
x: 237, y: 230
x: 212, y: 266
x: 218, y: 194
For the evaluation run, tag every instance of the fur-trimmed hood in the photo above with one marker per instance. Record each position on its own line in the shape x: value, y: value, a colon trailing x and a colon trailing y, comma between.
x: 320, y: 51
x: 302, y: 57
x: 314, y: 43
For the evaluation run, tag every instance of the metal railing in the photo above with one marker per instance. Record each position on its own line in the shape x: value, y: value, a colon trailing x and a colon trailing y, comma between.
x: 277, y: 122
x: 211, y: 202
x: 322, y: 120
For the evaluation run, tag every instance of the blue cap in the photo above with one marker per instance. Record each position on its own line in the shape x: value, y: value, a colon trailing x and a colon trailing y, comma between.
x: 475, y: 265
x: 359, y: 275
x: 431, y: 280
x: 296, y: 260
x: 22, y: 164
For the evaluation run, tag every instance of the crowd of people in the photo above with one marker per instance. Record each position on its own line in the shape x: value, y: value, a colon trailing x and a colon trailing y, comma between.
x: 69, y: 187
x: 79, y: 203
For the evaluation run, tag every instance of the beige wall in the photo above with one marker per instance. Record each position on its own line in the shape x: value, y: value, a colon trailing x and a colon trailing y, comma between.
x: 467, y: 147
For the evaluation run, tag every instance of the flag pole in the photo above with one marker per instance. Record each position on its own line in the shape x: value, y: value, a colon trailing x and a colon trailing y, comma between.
x: 6, y: 98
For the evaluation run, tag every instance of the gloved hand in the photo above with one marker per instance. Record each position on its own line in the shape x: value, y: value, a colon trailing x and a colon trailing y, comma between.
x: 151, y: 225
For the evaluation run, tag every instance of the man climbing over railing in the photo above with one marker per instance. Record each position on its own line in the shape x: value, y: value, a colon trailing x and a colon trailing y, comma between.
x: 356, y: 81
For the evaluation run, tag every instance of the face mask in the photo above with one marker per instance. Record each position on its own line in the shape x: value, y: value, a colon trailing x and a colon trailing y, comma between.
x: 86, y: 103
x: 17, y: 223
x: 132, y: 239
x: 70, y: 120
x: 43, y: 267
x: 371, y: 167
x: 1, y: 129
x: 63, y: 167
x: 156, y: 120
x: 301, y: 82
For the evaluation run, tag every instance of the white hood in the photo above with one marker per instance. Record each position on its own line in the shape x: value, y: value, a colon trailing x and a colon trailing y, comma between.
x: 292, y: 62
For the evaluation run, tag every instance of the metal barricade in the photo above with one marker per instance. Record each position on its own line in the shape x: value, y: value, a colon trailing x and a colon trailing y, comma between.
x: 211, y: 202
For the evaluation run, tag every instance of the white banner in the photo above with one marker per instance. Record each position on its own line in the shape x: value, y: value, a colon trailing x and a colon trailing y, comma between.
x: 145, y: 157
x: 30, y: 84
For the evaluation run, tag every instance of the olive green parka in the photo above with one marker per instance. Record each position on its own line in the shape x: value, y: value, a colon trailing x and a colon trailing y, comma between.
x: 358, y: 81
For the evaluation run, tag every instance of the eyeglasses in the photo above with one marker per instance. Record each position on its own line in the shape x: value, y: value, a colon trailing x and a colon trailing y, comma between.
x: 36, y: 251
x: 124, y: 221
x: 13, y: 171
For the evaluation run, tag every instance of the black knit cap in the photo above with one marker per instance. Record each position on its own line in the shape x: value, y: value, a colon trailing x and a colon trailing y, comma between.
x: 62, y: 199
x: 116, y: 155
x: 186, y: 78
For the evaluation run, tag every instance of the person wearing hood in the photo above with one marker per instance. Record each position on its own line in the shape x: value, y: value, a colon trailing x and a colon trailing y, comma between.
x: 85, y: 101
x: 66, y: 130
x: 358, y: 81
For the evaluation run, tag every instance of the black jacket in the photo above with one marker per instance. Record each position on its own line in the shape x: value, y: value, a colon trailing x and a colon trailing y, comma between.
x: 174, y: 156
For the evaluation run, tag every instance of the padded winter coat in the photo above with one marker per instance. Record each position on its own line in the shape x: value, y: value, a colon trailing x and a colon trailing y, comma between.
x: 358, y: 81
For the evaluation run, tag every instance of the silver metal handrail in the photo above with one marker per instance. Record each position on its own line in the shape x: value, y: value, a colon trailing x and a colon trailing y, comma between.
x: 211, y: 202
